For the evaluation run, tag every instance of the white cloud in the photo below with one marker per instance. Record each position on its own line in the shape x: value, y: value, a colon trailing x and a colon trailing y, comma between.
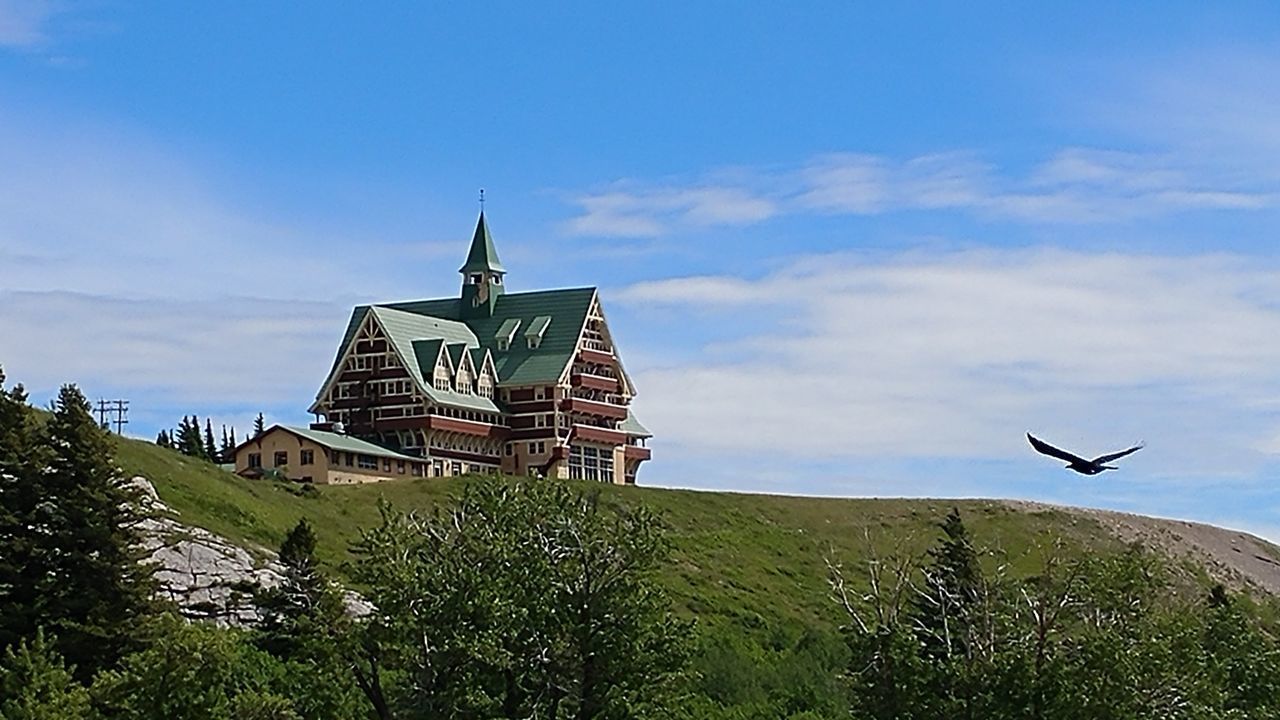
x: 23, y: 22
x: 1076, y: 185
x: 623, y: 212
x: 955, y: 356
x: 220, y: 352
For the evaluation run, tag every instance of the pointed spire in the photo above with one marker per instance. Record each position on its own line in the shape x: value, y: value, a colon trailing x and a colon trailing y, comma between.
x: 483, y: 256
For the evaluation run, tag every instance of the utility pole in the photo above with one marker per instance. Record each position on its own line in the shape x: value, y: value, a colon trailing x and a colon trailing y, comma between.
x: 118, y: 408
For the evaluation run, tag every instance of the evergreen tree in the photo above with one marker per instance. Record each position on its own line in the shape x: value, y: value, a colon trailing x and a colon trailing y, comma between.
x: 941, y: 612
x: 35, y: 684
x: 304, y: 597
x: 234, y: 444
x: 259, y: 425
x: 305, y: 624
x: 210, y: 450
x: 189, y: 440
x: 84, y: 575
x: 226, y: 452
x: 22, y: 455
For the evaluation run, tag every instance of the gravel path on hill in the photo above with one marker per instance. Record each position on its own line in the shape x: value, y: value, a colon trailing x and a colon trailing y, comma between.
x: 1234, y: 558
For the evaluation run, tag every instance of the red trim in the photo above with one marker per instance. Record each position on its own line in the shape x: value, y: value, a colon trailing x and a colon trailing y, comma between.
x: 596, y: 356
x: 598, y: 434
x: 463, y: 456
x: 517, y: 408
x: 594, y: 382
x: 593, y: 407
x: 635, y: 452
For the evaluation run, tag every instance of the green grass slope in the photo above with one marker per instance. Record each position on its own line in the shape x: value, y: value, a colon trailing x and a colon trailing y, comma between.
x: 736, y: 556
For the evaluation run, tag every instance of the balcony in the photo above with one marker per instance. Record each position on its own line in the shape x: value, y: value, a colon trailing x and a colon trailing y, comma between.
x: 597, y: 356
x: 594, y: 382
x: 635, y: 452
x: 605, y: 436
x: 595, y: 408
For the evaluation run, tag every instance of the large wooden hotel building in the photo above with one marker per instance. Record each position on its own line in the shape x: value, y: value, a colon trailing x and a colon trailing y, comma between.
x: 526, y: 383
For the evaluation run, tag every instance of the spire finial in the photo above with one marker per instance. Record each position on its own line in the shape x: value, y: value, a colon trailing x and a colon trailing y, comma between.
x: 481, y: 199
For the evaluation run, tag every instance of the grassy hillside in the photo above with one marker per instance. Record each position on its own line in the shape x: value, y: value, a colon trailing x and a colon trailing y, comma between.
x: 737, y: 556
x: 750, y: 568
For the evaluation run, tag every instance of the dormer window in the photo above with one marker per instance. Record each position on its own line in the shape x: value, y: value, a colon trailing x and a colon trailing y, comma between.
x: 536, y: 330
x: 505, y: 333
x: 476, y: 278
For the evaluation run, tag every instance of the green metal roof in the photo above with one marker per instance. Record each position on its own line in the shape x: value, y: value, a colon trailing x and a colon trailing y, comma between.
x: 483, y: 255
x: 518, y: 365
x: 417, y: 329
x: 632, y: 426
x: 455, y: 355
x: 345, y: 443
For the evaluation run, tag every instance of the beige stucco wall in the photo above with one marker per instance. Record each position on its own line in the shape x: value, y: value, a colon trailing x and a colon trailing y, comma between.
x: 322, y: 470
x: 278, y: 440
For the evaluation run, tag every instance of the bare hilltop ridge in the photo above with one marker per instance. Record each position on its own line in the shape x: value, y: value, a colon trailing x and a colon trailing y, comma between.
x: 1229, y: 556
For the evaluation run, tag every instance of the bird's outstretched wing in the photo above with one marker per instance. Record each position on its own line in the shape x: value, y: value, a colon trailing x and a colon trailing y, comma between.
x: 1117, y: 455
x: 1047, y: 449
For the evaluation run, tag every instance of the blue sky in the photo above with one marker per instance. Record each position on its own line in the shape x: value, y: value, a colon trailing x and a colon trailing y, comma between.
x: 845, y: 250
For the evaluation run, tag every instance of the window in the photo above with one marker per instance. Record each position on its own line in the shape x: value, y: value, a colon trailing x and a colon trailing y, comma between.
x: 476, y: 278
x: 368, y: 462
x: 473, y: 468
x: 386, y: 465
x: 255, y: 460
x: 400, y: 466
x: 349, y: 459
x: 306, y: 457
x: 437, y: 468
x: 455, y: 467
x: 510, y: 449
x: 417, y: 469
x: 537, y: 448
x: 281, y: 458
x: 590, y: 463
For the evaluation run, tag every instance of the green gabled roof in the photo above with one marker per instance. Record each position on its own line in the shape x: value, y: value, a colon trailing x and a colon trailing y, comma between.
x: 567, y: 310
x: 477, y: 359
x: 455, y: 355
x: 632, y: 426
x: 418, y: 339
x: 425, y: 354
x: 345, y: 443
x: 483, y: 255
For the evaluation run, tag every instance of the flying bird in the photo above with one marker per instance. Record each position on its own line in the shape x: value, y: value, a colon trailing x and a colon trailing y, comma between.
x: 1079, y: 464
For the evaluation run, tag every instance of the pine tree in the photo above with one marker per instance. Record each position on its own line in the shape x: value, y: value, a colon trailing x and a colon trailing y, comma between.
x: 210, y: 450
x: 21, y: 457
x: 163, y: 440
x: 259, y: 425
x: 234, y: 444
x: 305, y: 602
x: 189, y: 441
x: 226, y: 451
x: 89, y: 586
x: 952, y: 585
x: 35, y: 684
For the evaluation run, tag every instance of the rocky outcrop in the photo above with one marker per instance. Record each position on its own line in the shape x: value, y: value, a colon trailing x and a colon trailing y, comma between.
x: 207, y: 576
